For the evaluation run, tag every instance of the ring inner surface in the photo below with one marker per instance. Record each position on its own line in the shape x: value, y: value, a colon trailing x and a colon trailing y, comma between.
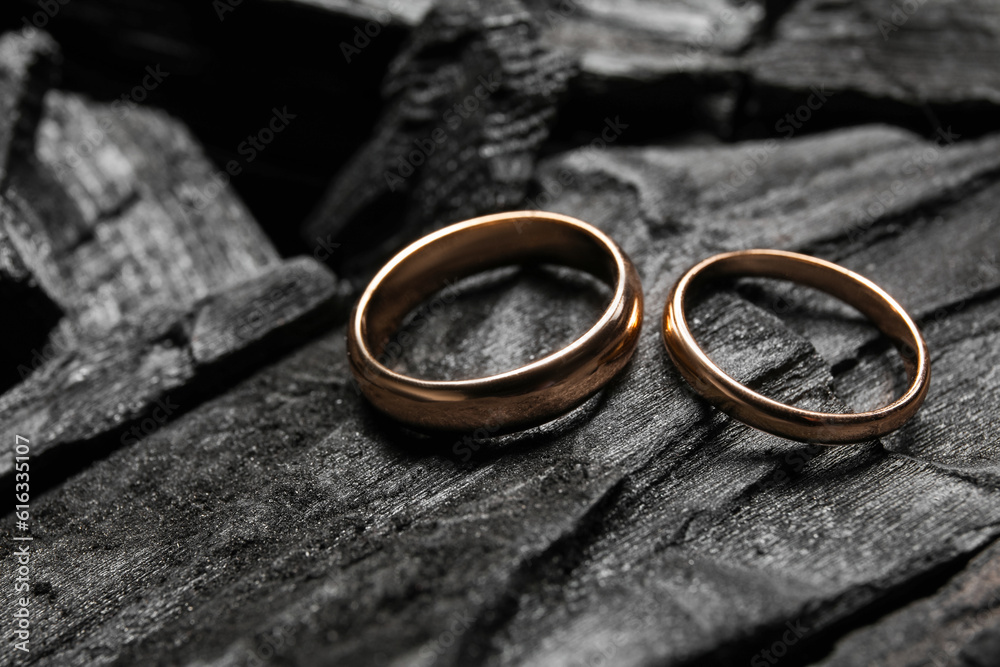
x: 472, y: 250
x: 886, y: 318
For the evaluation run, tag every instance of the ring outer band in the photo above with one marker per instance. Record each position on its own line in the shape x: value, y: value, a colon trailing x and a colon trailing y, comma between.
x: 517, y: 399
x: 758, y: 411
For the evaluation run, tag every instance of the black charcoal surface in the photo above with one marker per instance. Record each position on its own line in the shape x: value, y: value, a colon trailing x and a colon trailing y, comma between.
x: 213, y: 490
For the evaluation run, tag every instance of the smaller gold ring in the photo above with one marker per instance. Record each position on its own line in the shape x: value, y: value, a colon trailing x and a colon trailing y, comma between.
x: 523, y: 397
x: 768, y: 415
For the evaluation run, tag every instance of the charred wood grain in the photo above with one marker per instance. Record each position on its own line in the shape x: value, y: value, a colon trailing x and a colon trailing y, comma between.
x: 271, y: 516
x: 468, y: 104
x: 956, y: 626
x: 227, y: 66
x: 645, y: 525
x: 670, y: 68
x: 27, y: 69
x: 165, y: 283
x: 919, y: 64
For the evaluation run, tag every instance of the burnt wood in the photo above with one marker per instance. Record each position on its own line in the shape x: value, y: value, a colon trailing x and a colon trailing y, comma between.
x: 213, y: 490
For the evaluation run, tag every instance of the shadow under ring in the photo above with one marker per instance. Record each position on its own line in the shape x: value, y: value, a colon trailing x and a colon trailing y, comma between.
x: 766, y: 414
x: 516, y: 399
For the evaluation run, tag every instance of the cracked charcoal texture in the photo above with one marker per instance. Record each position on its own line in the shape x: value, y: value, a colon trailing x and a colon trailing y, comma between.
x: 272, y: 517
x: 469, y: 102
x: 156, y: 279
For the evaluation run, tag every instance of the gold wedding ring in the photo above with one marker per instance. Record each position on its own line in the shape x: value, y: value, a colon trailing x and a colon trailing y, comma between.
x: 763, y: 413
x: 526, y: 396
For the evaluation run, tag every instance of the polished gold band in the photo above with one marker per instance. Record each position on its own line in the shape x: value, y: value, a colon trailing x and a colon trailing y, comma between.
x: 768, y: 415
x: 520, y: 398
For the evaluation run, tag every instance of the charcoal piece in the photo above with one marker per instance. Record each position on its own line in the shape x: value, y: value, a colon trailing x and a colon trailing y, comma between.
x: 28, y: 67
x: 165, y: 283
x: 468, y: 103
x: 910, y: 62
x: 285, y: 520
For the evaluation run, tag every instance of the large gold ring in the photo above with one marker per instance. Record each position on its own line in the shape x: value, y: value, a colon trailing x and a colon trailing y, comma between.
x: 517, y: 399
x: 765, y: 414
